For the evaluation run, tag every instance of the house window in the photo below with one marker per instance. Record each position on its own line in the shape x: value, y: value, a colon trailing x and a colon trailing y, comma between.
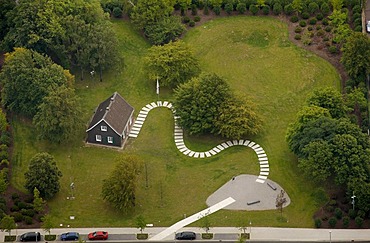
x: 103, y: 128
x: 98, y: 138
x: 110, y: 139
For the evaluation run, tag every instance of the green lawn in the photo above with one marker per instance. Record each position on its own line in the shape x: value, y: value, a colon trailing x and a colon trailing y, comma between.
x: 256, y: 58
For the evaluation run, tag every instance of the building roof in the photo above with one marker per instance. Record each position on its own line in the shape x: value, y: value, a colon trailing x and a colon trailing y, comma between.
x: 115, y: 111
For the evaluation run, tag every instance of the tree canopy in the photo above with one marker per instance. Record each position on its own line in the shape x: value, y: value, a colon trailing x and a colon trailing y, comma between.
x: 59, y: 115
x: 173, y: 63
x: 27, y: 77
x: 120, y: 187
x: 44, y: 175
x: 206, y: 104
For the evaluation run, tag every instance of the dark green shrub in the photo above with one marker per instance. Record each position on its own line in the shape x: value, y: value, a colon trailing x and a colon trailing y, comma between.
x: 297, y: 37
x: 28, y: 212
x: 302, y: 23
x: 200, y: 4
x: 194, y: 10
x: 357, y: 21
x: 345, y: 222
x: 319, y: 16
x: 10, y: 238
x: 207, y: 236
x: 313, y: 7
x: 361, y: 214
x: 305, y: 15
x: 318, y: 223
x: 5, y: 139
x: 4, y: 162
x: 330, y: 209
x: 312, y: 21
x: 358, y: 28
x: 50, y: 237
x: 229, y: 8
x: 4, y: 155
x: 320, y: 33
x: 142, y: 236
x: 253, y: 9
x: 117, y: 12
x: 333, y: 49
x: 197, y: 18
x: 18, y: 217
x: 318, y: 27
x: 3, y: 147
x: 356, y: 16
x: 352, y: 213
x: 192, y: 23
x: 21, y: 205
x: 217, y: 10
x: 28, y: 220
x: 359, y: 221
x: 241, y: 8
x: 298, y: 29
x: 325, y: 9
x: 324, y: 218
x: 277, y: 9
x: 325, y: 21
x: 328, y: 28
x: 165, y: 30
x: 309, y: 28
x: 266, y: 10
x: 294, y: 19
x: 356, y: 9
x: 288, y: 9
x: 338, y: 213
x: 14, y: 208
x: 182, y: 11
x: 206, y: 10
x: 186, y: 19
x: 332, y: 222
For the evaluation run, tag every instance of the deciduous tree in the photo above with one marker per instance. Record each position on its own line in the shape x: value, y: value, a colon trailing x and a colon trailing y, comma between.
x: 174, y: 63
x: 119, y: 188
x: 44, y: 175
x: 165, y: 30
x: 59, y: 115
x: 7, y: 223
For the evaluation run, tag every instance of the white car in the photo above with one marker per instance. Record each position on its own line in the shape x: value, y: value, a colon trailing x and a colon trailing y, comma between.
x: 368, y: 26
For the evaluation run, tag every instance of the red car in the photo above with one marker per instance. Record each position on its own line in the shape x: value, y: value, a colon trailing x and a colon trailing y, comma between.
x: 98, y: 235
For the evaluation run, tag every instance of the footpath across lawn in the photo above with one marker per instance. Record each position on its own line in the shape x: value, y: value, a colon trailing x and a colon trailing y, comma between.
x: 256, y: 58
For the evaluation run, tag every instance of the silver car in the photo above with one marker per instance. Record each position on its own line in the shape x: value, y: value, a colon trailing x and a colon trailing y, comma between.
x: 368, y: 26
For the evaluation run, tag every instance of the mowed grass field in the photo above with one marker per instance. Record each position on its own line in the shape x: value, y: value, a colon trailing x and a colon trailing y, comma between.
x: 254, y: 55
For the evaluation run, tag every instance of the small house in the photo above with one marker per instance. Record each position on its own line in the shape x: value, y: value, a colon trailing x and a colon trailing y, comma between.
x: 111, y: 123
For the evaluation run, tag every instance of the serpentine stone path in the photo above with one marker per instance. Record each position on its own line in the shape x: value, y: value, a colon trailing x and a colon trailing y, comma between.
x: 179, y: 140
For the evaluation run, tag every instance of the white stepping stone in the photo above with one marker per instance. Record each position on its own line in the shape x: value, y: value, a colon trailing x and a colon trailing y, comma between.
x: 262, y: 177
x: 216, y: 149
x: 224, y: 145
x: 260, y: 181
x: 139, y: 122
x: 235, y: 142
x: 141, y: 116
x: 153, y: 104
x: 264, y: 166
x: 259, y: 149
x: 169, y: 105
x: 159, y: 103
x: 177, y: 130
x: 265, y: 169
x: 201, y: 155
x: 145, y: 109
x: 264, y: 173
x: 186, y: 152
x: 230, y: 143
x: 133, y: 135
x: 178, y: 134
x: 191, y: 153
x: 260, y: 152
x: 179, y: 137
x: 208, y: 154
x: 264, y: 162
x: 165, y: 103
x: 262, y: 159
x: 135, y: 129
x: 246, y: 142
x: 137, y: 125
x: 179, y: 140
x: 182, y: 149
x: 134, y: 132
x: 256, y: 147
x: 220, y: 147
x: 196, y: 155
x: 213, y: 152
x: 251, y: 144
x: 181, y: 146
x: 241, y: 142
x: 261, y: 155
x: 140, y: 119
x: 149, y: 106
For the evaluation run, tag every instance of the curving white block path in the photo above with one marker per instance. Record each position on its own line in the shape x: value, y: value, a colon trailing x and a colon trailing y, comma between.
x: 179, y: 140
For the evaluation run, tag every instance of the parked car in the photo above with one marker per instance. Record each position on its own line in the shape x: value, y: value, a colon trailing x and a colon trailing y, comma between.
x: 368, y: 26
x: 186, y: 235
x: 30, y: 236
x: 98, y: 235
x: 70, y: 236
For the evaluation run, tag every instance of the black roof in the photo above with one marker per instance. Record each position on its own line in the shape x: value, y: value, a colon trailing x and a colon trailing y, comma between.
x: 115, y: 111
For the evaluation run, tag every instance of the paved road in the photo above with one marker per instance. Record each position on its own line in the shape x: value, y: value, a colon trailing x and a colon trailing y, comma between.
x: 260, y: 234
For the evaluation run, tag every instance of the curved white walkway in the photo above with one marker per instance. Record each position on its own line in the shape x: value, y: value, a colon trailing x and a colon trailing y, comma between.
x: 179, y: 140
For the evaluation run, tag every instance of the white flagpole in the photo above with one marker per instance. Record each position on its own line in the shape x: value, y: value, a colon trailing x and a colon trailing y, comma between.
x: 157, y: 90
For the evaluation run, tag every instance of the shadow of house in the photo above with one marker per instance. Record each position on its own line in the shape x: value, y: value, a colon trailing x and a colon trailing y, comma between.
x: 111, y: 123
